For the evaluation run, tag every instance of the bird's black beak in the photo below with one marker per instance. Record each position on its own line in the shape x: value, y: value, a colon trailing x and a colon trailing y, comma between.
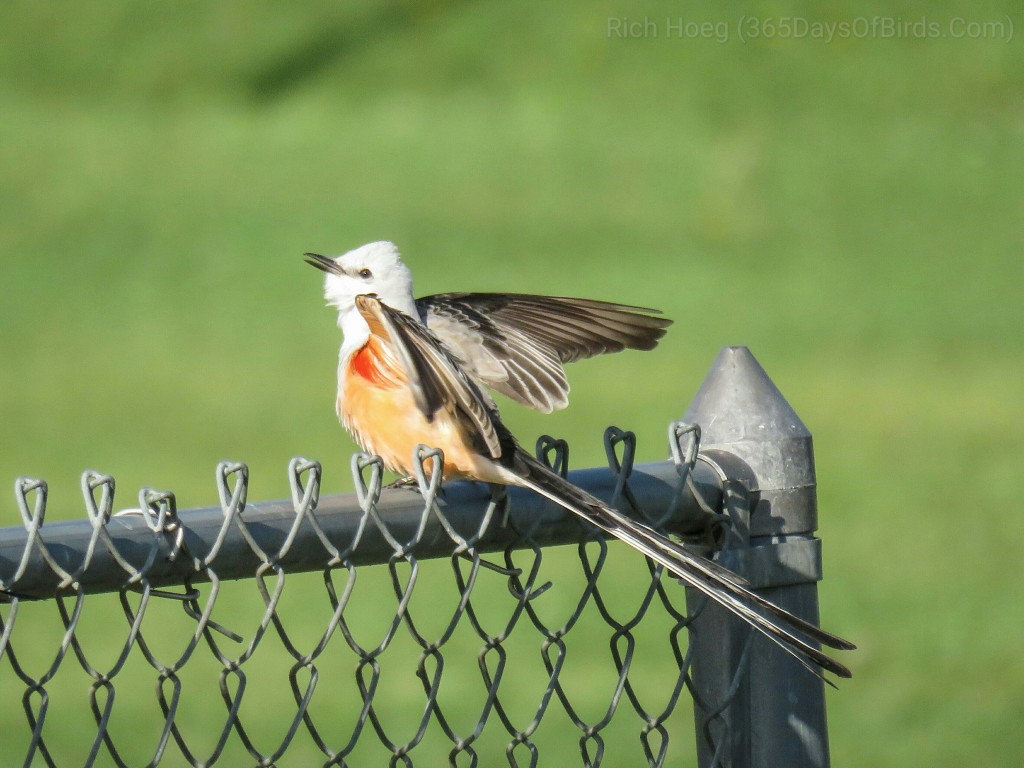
x: 323, y: 263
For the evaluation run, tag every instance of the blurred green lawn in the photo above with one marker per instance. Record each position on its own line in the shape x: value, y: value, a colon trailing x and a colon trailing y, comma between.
x: 851, y: 210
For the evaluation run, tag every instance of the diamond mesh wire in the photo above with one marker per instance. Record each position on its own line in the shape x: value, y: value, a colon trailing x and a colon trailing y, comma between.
x: 406, y: 661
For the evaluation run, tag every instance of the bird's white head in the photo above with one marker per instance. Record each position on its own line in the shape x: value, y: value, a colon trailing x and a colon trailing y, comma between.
x: 372, y: 268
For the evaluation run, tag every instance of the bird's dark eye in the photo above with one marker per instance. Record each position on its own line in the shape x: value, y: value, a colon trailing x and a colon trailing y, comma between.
x: 365, y: 273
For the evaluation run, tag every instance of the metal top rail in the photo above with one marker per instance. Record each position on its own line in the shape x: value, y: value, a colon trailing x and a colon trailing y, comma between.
x: 107, y: 551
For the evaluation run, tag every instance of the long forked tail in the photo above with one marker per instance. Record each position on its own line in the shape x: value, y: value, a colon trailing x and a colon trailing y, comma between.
x: 790, y: 632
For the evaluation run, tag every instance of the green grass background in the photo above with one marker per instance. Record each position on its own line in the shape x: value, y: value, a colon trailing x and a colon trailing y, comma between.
x: 851, y: 210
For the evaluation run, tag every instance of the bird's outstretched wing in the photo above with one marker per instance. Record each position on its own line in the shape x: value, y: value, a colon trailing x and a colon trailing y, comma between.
x: 436, y: 379
x: 516, y: 343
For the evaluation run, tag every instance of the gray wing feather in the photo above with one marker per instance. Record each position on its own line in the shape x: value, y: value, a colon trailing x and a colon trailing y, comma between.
x: 516, y: 343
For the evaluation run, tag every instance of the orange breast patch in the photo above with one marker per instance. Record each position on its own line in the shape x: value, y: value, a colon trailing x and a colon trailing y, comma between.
x: 377, y: 406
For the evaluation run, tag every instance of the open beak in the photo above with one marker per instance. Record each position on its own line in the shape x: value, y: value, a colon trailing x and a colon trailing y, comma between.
x: 323, y: 263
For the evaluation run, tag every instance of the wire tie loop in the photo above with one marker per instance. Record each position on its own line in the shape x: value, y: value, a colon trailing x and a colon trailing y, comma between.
x: 621, y: 468
x: 554, y: 454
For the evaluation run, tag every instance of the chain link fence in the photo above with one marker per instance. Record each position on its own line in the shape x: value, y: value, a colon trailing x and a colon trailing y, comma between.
x: 412, y: 625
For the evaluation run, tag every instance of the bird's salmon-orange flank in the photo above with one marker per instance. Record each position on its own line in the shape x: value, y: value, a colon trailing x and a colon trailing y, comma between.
x: 416, y: 371
x: 379, y: 409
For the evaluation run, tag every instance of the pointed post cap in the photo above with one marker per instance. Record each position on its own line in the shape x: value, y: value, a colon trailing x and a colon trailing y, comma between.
x: 741, y: 412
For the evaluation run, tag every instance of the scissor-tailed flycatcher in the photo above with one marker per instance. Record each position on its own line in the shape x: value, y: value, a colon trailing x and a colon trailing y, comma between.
x: 413, y: 372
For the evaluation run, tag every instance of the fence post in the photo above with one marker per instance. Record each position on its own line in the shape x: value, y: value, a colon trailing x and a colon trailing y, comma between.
x: 754, y: 705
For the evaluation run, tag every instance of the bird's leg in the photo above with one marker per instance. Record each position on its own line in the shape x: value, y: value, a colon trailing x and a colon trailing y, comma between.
x: 408, y: 481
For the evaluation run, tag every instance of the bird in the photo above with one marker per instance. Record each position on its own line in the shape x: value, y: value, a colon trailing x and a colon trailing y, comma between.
x: 415, y: 372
